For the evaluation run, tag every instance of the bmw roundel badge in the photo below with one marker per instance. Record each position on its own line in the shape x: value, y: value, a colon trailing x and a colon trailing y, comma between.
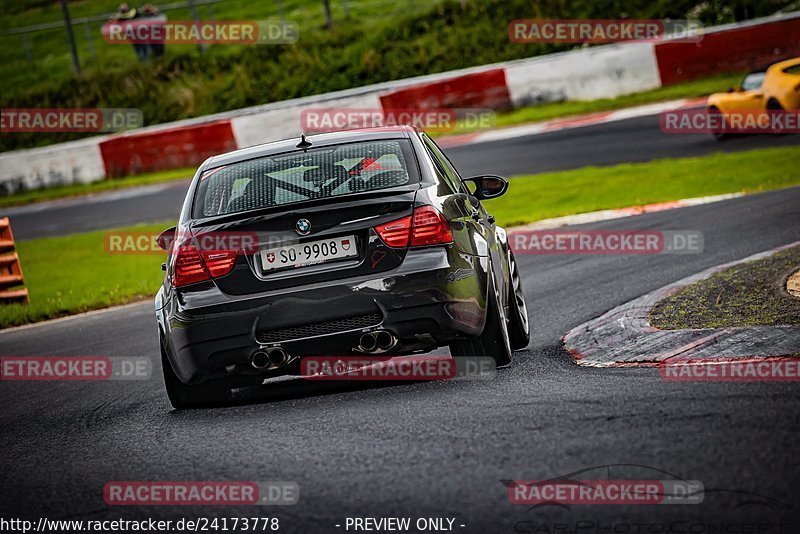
x: 303, y: 226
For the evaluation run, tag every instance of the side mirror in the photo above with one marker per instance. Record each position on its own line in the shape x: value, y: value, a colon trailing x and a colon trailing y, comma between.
x: 165, y: 238
x: 486, y: 186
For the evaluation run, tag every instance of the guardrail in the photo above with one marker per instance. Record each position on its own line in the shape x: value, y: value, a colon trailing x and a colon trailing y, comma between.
x: 603, y: 71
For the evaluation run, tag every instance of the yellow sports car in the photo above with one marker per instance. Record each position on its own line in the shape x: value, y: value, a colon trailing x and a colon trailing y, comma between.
x: 775, y: 89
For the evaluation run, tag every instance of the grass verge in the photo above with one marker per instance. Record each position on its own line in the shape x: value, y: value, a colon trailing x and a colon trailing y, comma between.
x: 748, y: 294
x: 524, y: 115
x: 382, y: 40
x: 40, y: 195
x: 541, y: 196
x: 72, y: 274
x: 89, y: 278
x: 555, y: 110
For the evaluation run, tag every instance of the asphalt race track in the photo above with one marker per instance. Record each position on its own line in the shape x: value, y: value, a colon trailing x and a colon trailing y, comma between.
x: 631, y: 140
x: 434, y: 449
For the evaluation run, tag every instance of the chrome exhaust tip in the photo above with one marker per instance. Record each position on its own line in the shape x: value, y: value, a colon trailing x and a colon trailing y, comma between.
x: 384, y: 340
x: 260, y: 360
x: 277, y: 356
x: 264, y: 359
x: 378, y: 341
x: 368, y: 342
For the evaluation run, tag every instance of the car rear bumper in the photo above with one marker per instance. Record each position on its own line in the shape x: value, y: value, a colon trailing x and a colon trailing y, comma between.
x: 437, y: 295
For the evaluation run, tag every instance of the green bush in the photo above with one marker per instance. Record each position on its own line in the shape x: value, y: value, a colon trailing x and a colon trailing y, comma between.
x: 406, y: 38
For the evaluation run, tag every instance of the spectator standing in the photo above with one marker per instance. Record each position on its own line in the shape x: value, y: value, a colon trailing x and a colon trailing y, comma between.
x: 151, y: 11
x: 125, y: 13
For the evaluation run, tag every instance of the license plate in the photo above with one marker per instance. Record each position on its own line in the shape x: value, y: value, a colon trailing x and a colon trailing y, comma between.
x: 310, y: 253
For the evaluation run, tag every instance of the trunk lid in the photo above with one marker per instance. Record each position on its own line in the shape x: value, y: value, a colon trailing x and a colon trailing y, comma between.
x: 309, y: 242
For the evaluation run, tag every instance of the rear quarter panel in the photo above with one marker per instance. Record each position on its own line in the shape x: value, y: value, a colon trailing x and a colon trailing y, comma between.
x: 782, y: 86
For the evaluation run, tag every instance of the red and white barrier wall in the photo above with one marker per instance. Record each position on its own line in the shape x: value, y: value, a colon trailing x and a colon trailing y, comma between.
x: 484, y: 89
x: 583, y: 74
x: 735, y: 47
x: 171, y: 148
x: 74, y: 162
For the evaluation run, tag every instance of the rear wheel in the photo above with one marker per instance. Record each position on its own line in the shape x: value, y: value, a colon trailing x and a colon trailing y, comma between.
x: 774, y: 107
x: 493, y: 341
x: 721, y: 133
x: 518, y: 327
x: 182, y: 396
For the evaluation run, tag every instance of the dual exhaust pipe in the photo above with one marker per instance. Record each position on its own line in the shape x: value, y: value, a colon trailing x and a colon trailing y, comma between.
x: 273, y: 357
x: 379, y: 341
x: 371, y: 342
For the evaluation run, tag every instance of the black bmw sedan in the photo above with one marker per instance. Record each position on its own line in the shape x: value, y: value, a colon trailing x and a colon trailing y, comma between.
x: 360, y: 242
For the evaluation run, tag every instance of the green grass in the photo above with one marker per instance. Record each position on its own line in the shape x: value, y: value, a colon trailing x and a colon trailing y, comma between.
x: 530, y: 114
x: 51, y: 62
x: 40, y: 195
x: 72, y: 274
x: 382, y: 40
x: 554, y: 194
x: 748, y: 294
x: 555, y: 110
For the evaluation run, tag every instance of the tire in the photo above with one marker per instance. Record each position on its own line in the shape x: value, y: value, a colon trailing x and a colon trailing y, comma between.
x: 182, y: 396
x: 719, y: 135
x: 493, y: 342
x: 519, y: 331
x: 772, y: 107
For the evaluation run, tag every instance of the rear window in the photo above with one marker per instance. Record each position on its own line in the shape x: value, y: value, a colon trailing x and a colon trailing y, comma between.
x: 300, y: 176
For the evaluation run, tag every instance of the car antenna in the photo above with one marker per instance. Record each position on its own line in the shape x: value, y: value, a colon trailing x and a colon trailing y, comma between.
x: 304, y: 143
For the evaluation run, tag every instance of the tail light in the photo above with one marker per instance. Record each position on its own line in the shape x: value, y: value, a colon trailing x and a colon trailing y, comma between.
x: 395, y: 233
x: 192, y: 266
x: 425, y: 227
x: 219, y: 262
x: 429, y: 227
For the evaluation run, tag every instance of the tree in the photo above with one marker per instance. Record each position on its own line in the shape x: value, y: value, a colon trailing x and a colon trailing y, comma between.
x: 328, y: 16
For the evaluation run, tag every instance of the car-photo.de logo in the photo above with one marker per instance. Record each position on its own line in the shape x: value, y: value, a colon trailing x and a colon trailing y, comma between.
x: 200, y: 493
x: 606, y: 241
x: 570, y: 503
x: 597, y: 31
